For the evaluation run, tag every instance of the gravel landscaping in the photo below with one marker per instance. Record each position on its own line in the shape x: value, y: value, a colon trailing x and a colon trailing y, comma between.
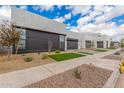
x: 17, y: 62
x: 116, y: 56
x: 113, y: 57
x: 91, y: 77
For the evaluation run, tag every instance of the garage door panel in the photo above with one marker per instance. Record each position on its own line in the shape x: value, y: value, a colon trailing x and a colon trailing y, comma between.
x: 39, y: 41
x: 72, y: 44
x: 99, y: 44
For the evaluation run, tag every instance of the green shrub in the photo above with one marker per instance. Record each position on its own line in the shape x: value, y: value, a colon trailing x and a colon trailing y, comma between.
x: 23, y: 54
x: 57, y: 51
x: 28, y: 59
x: 44, y: 56
x: 77, y: 73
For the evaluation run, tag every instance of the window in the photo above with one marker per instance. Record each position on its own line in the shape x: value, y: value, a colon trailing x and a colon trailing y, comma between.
x: 61, y: 42
x: 21, y: 44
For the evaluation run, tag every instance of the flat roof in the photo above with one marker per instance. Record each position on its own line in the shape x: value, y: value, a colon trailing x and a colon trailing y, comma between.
x: 31, y: 20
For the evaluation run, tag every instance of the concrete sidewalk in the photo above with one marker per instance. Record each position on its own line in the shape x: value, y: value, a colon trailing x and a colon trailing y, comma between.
x: 120, y: 81
x: 31, y: 75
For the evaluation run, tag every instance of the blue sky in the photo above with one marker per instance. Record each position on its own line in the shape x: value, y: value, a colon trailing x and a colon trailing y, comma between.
x: 82, y: 18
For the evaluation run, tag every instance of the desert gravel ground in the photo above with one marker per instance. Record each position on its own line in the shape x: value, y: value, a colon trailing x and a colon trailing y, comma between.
x: 17, y: 62
x: 113, y: 57
x: 91, y: 77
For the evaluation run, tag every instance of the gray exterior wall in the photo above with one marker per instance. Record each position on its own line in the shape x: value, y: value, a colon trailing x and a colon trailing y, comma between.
x: 27, y: 19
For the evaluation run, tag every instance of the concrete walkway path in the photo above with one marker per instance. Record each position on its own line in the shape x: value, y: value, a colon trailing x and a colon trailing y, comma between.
x: 27, y: 76
x: 120, y: 81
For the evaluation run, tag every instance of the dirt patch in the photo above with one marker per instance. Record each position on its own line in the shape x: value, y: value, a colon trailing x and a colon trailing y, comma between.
x: 91, y: 77
x: 113, y: 57
x: 116, y: 56
x: 17, y: 62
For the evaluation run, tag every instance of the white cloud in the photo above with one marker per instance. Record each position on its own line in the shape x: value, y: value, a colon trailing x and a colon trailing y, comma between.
x: 5, y: 11
x: 67, y: 16
x: 74, y: 29
x: 95, y: 15
x: 83, y: 20
x: 113, y: 12
x: 103, y: 28
x: 68, y: 26
x: 43, y: 8
x: 121, y: 27
x: 98, y: 8
x: 100, y: 15
x: 24, y: 7
x: 79, y: 9
x: 59, y: 19
x: 63, y: 19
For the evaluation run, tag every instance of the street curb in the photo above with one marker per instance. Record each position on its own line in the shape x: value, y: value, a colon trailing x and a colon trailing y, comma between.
x: 112, y: 80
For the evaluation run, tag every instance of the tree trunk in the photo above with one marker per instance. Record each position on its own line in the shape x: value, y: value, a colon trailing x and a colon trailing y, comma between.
x: 8, y: 53
x: 17, y: 49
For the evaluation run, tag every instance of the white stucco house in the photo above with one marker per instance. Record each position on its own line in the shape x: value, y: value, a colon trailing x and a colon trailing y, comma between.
x: 38, y: 32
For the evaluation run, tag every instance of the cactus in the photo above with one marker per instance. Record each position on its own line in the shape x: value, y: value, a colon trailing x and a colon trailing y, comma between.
x: 77, y: 73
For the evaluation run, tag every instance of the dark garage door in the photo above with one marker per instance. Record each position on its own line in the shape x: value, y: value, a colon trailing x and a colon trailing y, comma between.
x: 88, y: 44
x: 40, y: 41
x: 72, y: 43
x: 99, y: 44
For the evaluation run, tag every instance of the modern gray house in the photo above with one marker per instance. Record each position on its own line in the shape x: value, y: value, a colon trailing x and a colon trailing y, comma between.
x: 39, y: 33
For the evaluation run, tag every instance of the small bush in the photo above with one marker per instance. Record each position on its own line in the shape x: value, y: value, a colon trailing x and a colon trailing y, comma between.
x: 38, y: 53
x: 117, y: 53
x: 57, y: 51
x: 28, y: 59
x: 77, y: 73
x: 23, y: 54
x: 44, y: 56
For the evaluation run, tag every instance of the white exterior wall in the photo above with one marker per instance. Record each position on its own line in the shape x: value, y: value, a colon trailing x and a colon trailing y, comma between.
x: 73, y: 35
x: 94, y: 37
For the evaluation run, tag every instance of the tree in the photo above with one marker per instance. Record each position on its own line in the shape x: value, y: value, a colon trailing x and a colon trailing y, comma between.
x: 122, y: 44
x: 8, y: 35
